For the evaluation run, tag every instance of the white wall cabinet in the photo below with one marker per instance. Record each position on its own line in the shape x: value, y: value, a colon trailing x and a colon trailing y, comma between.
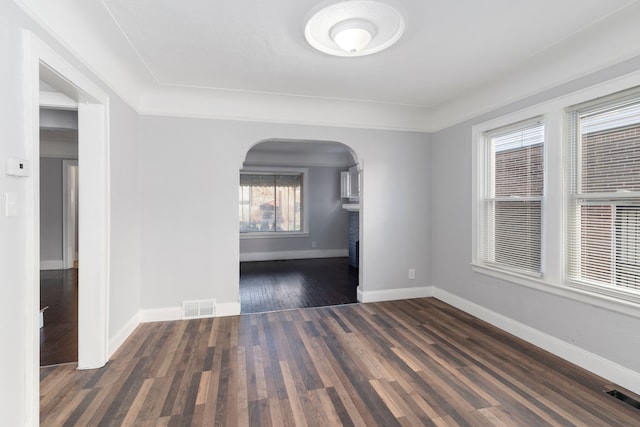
x: 350, y: 183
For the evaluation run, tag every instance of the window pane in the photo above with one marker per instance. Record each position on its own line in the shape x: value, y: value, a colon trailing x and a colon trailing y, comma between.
x: 517, y: 234
x: 288, y: 202
x: 513, y: 204
x: 611, y: 160
x: 604, y: 214
x: 627, y: 250
x: 270, y: 203
x: 519, y: 171
x: 595, y: 237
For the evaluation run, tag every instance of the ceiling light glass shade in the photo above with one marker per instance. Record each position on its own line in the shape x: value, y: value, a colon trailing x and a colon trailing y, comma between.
x: 352, y: 35
x: 354, y: 27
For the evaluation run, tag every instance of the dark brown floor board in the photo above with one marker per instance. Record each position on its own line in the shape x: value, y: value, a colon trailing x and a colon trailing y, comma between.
x: 405, y: 363
x: 284, y: 285
x: 59, y: 336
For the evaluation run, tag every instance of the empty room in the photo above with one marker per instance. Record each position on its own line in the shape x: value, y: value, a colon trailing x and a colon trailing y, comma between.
x: 448, y: 191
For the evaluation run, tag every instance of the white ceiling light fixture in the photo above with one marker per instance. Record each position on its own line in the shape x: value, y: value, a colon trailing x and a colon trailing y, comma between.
x: 354, y: 28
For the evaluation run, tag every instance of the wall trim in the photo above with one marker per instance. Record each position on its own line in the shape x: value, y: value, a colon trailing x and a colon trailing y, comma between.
x: 123, y: 334
x: 285, y: 255
x: 165, y: 314
x: 613, y: 372
x: 51, y: 264
x: 227, y: 309
x: 168, y: 314
x: 394, y: 294
x: 594, y: 363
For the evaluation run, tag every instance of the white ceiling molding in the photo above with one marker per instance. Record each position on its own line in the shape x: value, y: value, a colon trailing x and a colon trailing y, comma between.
x: 605, y: 44
x: 57, y: 100
x: 89, y: 33
x: 432, y: 95
x: 261, y: 107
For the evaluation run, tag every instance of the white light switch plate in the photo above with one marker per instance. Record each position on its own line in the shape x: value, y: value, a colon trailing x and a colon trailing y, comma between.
x: 11, y: 204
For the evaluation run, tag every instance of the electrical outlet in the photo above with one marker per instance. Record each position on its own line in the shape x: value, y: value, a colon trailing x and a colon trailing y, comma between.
x: 313, y: 244
x: 412, y: 273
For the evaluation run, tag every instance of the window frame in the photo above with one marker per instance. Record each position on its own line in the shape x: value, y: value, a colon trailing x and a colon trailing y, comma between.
x: 576, y: 199
x: 487, y: 223
x: 304, y: 173
x: 554, y: 214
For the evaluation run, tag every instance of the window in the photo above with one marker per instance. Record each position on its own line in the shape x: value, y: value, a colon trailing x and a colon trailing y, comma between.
x: 271, y: 202
x: 603, y: 209
x: 512, y: 197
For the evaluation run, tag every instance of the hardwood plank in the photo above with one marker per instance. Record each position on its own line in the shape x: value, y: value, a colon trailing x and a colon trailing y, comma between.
x: 283, y: 285
x: 294, y: 399
x: 404, y: 363
x: 59, y: 336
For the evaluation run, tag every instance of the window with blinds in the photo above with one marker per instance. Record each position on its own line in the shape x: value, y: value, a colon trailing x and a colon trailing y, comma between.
x: 512, y: 202
x: 603, y: 208
x: 270, y: 203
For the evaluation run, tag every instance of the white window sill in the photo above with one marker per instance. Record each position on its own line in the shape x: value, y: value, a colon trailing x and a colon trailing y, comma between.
x: 623, y: 306
x: 274, y: 235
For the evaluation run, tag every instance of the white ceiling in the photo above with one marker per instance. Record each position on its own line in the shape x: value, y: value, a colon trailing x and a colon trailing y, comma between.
x: 249, y: 53
x: 257, y: 45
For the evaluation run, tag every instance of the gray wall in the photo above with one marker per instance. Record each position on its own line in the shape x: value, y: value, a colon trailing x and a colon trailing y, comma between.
x: 189, y: 195
x: 16, y: 406
x: 328, y: 222
x: 50, y: 209
x: 604, y: 332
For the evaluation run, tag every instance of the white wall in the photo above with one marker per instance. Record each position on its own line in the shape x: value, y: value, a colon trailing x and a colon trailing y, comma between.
x: 125, y: 217
x: 125, y: 242
x: 601, y: 332
x: 189, y: 185
x: 12, y: 229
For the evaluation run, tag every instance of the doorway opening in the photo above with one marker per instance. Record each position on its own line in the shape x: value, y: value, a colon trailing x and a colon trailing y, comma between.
x: 41, y: 63
x: 299, y: 227
x: 58, y: 232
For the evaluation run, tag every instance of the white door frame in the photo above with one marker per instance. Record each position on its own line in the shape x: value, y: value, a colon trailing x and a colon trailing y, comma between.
x: 69, y: 210
x: 41, y: 62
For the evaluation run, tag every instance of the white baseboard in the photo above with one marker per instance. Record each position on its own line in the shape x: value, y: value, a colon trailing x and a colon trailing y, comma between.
x: 51, y: 264
x: 614, y: 372
x: 160, y: 314
x: 121, y: 336
x: 175, y: 313
x: 227, y: 309
x: 394, y: 294
x: 284, y: 255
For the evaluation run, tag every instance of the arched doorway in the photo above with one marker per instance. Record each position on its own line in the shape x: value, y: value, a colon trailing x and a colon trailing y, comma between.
x: 299, y: 225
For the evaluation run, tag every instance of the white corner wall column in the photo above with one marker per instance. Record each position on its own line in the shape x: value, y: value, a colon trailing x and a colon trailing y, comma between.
x: 93, y: 235
x: 40, y: 61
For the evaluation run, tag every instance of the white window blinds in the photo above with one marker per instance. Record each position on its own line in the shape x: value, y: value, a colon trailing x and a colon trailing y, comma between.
x: 603, y: 208
x: 512, y: 203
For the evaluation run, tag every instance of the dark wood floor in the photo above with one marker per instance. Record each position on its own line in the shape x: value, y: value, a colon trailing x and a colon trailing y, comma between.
x: 400, y: 363
x: 282, y: 285
x: 59, y: 337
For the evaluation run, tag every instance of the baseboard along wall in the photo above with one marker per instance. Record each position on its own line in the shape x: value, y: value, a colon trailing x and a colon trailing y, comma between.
x: 592, y: 362
x: 285, y: 255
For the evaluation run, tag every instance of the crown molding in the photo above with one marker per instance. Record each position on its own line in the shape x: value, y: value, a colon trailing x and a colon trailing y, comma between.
x: 72, y: 26
x: 605, y: 44
x: 602, y: 45
x: 223, y: 104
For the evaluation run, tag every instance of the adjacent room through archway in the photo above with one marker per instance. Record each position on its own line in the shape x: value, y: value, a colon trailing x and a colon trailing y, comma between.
x: 299, y: 226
